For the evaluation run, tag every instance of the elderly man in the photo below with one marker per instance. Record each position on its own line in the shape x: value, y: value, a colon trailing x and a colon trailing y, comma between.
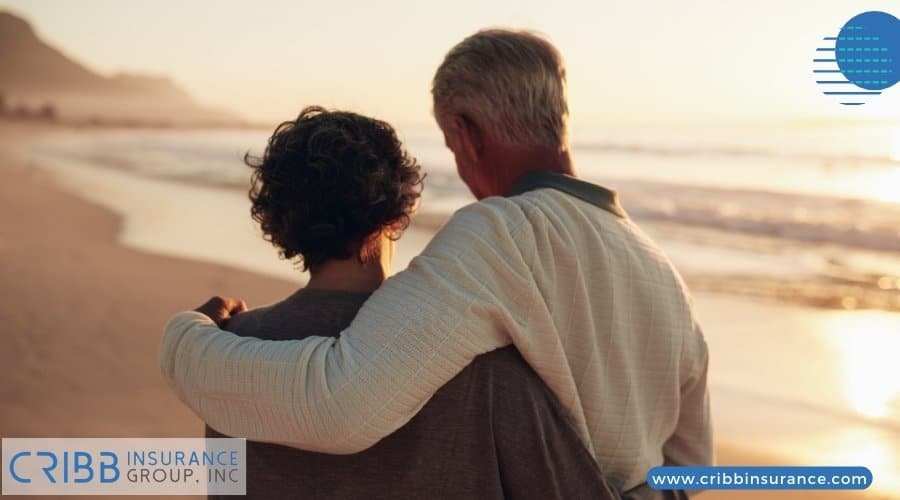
x: 544, y: 261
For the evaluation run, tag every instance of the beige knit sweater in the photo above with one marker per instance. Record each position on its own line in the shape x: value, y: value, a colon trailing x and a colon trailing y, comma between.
x: 590, y: 302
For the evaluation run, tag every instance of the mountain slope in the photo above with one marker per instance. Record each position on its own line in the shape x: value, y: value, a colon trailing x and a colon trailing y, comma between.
x: 33, y: 73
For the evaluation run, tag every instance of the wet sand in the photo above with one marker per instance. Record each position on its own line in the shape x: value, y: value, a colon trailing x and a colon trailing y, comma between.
x: 82, y: 316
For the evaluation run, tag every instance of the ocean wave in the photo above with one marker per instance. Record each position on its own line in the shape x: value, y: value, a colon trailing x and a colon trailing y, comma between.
x: 850, y: 222
x: 808, y: 218
x: 637, y: 148
x: 215, y: 159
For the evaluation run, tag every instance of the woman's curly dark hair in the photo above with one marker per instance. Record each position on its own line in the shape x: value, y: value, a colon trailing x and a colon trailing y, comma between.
x: 331, y: 182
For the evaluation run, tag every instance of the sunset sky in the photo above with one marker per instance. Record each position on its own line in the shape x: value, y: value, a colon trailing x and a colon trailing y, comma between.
x: 641, y: 61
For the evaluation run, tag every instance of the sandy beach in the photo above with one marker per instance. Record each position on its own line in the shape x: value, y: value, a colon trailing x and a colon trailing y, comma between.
x: 82, y: 317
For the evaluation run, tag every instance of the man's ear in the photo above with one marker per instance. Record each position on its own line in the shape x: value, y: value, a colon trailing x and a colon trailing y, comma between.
x: 471, y: 137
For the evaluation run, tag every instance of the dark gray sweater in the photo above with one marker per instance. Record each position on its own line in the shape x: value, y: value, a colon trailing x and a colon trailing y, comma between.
x: 495, y: 431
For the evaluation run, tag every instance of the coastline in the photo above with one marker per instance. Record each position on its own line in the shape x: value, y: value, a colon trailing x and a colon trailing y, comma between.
x: 83, y: 317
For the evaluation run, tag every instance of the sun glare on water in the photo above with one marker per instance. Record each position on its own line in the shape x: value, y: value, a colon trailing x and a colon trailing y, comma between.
x: 892, y: 182
x: 884, y: 184
x: 878, y: 181
x: 867, y: 344
x: 895, y: 146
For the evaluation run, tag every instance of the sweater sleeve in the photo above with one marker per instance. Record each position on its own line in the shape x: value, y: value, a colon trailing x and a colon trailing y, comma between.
x: 458, y: 299
x: 692, y: 441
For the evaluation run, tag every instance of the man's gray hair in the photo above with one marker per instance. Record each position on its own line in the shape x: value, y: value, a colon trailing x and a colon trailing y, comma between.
x: 512, y: 83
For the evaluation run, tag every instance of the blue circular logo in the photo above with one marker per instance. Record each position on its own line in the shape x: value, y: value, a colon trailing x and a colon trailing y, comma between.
x: 863, y: 61
x: 868, y: 50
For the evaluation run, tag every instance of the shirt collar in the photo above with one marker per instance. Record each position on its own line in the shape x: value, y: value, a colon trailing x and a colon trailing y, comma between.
x: 597, y: 195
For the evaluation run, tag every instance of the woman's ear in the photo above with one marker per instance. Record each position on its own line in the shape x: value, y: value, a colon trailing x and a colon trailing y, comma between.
x: 471, y: 137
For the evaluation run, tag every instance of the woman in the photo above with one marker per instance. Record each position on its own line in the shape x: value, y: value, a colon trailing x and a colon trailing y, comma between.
x: 335, y: 190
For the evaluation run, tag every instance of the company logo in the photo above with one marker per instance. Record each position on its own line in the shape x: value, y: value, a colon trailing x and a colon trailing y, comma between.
x: 862, y: 60
x: 116, y: 466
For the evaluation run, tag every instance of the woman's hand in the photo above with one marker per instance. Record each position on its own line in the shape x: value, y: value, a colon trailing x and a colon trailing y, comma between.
x: 221, y: 309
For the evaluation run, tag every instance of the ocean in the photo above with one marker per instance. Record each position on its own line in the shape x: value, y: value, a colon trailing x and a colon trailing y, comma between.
x: 787, y: 234
x: 799, y: 213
